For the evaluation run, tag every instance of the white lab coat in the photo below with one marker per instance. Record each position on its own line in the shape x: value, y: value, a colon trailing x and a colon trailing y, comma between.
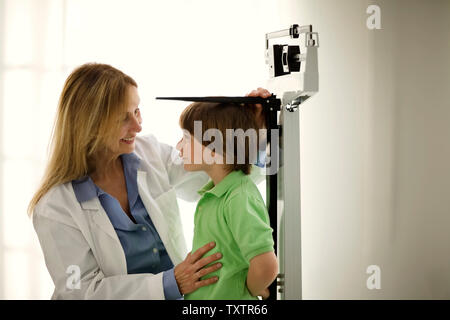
x: 81, y: 235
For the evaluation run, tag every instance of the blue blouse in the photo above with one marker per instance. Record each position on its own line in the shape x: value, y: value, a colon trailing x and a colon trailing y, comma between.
x: 144, y: 249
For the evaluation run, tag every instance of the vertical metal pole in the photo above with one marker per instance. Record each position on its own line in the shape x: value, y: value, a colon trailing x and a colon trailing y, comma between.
x: 2, y: 156
x: 291, y: 195
x: 271, y: 181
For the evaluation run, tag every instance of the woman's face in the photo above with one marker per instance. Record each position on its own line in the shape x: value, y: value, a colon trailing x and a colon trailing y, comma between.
x: 131, y: 122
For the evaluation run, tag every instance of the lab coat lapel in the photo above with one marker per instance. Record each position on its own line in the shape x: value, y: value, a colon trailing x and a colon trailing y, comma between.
x: 100, y: 217
x: 107, y: 247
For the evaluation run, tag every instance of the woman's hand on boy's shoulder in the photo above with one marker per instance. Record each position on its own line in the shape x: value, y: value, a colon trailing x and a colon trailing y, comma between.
x: 259, y: 114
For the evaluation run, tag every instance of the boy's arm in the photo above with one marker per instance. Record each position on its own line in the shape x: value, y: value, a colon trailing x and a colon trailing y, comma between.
x: 262, y: 272
x: 248, y: 220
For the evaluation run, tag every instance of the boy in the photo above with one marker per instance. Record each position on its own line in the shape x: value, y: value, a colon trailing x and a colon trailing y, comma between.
x: 231, y: 211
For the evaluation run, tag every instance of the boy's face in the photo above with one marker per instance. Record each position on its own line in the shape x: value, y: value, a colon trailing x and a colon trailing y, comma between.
x: 191, y: 151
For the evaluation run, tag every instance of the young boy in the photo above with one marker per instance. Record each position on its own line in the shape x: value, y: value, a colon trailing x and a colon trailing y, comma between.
x: 231, y: 211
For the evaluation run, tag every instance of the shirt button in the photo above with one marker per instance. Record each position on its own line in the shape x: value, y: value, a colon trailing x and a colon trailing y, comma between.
x: 155, y: 250
x: 144, y: 229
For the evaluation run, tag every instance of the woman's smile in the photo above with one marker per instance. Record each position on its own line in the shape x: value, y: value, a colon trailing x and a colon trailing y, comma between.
x: 127, y: 140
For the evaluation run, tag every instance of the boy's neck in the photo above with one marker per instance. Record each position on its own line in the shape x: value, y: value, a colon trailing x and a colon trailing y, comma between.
x: 217, y: 173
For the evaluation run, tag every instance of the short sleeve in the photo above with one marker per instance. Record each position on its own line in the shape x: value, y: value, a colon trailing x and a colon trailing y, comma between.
x: 249, y: 223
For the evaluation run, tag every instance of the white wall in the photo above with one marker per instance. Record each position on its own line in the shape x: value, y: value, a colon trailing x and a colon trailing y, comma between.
x: 375, y: 150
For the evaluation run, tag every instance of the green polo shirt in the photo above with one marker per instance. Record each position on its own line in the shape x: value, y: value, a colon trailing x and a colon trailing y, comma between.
x: 232, y: 214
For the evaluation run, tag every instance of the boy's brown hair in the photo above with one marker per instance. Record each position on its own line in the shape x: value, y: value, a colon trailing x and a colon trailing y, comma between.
x: 223, y: 116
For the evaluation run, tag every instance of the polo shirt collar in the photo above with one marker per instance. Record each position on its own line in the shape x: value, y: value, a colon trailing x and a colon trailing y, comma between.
x: 223, y: 186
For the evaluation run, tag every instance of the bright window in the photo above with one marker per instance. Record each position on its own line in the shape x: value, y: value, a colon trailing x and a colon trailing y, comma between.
x: 169, y: 47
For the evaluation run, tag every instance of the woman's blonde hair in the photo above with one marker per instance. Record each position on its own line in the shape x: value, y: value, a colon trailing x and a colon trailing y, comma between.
x: 90, y: 108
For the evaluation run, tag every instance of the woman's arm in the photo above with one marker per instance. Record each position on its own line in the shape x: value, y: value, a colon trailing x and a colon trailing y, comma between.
x: 262, y: 272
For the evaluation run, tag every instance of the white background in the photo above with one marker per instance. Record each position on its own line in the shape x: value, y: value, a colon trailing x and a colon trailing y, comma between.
x: 169, y: 47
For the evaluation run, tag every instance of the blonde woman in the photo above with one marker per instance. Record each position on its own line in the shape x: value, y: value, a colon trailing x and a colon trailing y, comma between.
x: 106, y: 212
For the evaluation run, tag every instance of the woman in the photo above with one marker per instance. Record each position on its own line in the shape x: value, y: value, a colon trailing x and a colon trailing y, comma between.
x: 106, y: 213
